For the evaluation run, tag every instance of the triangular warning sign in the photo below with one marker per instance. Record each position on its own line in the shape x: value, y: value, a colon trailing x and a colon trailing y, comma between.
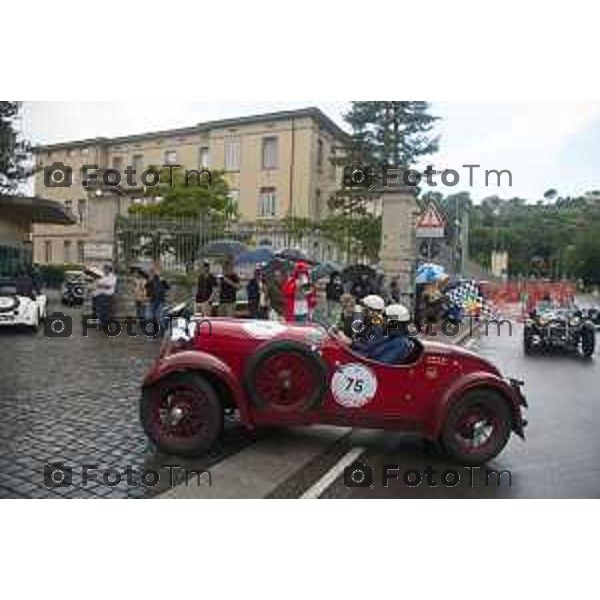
x: 431, y: 218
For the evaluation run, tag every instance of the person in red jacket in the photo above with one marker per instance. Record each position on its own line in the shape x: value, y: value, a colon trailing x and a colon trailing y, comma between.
x: 299, y: 294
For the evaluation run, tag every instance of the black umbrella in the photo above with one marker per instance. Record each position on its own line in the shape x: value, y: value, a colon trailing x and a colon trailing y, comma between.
x: 223, y: 248
x: 354, y: 272
x: 294, y: 255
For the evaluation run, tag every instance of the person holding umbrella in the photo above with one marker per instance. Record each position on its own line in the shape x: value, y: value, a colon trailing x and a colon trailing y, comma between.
x: 253, y: 291
x: 333, y: 293
x: 207, y: 283
x: 275, y: 295
x: 140, y: 295
x: 103, y: 294
x: 156, y: 290
x: 230, y: 284
x: 362, y: 286
x: 300, y: 294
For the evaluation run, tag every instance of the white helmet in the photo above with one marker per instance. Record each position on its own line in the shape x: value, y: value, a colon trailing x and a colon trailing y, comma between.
x: 374, y: 302
x: 397, y: 312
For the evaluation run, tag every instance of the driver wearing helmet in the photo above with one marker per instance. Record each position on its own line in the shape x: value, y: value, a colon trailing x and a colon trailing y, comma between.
x: 368, y: 324
x: 396, y: 346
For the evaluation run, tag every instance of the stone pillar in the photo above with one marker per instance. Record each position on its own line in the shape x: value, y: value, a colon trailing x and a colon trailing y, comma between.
x: 398, y: 251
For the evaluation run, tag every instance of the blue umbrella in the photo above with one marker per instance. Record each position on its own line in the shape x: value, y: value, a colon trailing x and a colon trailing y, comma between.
x: 261, y: 254
x: 429, y: 273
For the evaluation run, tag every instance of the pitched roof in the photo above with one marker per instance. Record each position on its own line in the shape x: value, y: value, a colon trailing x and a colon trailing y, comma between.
x: 310, y: 112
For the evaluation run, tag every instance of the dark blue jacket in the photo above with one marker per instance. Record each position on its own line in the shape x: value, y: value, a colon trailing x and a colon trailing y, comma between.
x: 391, y: 349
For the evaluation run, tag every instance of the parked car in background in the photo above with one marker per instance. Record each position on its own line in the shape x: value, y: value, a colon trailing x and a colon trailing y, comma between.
x: 74, y: 288
x: 20, y: 305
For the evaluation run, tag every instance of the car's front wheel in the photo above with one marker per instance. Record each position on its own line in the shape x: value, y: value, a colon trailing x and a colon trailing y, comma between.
x: 182, y: 414
x: 477, y: 427
x: 588, y: 341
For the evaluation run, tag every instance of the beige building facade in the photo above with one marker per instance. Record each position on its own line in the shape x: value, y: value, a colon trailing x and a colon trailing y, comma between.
x: 277, y: 165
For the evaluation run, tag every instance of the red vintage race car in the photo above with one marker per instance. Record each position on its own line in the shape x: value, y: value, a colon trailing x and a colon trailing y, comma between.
x: 281, y: 374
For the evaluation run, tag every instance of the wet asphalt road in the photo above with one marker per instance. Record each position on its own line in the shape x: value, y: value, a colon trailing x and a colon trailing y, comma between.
x: 559, y: 459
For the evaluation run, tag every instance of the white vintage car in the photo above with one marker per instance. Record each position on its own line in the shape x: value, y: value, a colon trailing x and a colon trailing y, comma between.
x: 20, y: 306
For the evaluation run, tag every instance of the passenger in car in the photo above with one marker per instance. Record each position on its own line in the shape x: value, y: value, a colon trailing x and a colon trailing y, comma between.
x: 397, y: 345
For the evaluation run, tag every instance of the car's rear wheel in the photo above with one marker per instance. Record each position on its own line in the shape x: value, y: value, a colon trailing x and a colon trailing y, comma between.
x: 182, y: 414
x: 285, y: 376
x: 588, y: 341
x: 477, y: 427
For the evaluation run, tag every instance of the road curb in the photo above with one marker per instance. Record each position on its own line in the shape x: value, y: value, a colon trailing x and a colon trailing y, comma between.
x: 262, y: 467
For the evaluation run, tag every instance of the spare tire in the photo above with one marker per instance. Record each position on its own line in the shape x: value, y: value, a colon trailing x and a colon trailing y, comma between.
x: 285, y: 376
x: 9, y: 303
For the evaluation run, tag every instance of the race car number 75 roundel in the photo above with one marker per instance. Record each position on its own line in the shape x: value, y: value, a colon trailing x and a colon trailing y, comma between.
x: 353, y: 385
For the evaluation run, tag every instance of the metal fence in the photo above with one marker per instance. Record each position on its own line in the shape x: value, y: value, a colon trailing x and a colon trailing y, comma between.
x: 178, y: 242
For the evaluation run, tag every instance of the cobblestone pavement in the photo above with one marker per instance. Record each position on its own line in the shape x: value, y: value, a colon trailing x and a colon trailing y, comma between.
x: 75, y: 401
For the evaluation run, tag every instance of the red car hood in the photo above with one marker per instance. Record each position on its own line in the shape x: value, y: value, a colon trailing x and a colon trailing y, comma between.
x: 460, y: 353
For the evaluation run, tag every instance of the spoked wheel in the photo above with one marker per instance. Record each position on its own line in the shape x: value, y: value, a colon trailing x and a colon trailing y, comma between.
x: 477, y: 427
x: 588, y: 341
x: 182, y: 414
x: 286, y: 376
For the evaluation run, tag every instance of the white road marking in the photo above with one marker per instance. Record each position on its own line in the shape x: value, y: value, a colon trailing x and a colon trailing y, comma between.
x: 328, y: 478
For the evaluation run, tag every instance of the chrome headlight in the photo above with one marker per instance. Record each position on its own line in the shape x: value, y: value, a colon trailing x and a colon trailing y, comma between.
x: 574, y: 321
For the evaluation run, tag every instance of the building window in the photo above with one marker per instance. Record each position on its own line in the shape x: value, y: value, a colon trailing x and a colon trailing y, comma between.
x: 203, y: 157
x: 320, y: 154
x: 48, y: 251
x: 117, y: 163
x: 138, y: 165
x: 69, y: 205
x: 81, y: 209
x: 70, y: 152
x: 234, y: 198
x: 269, y: 153
x: 266, y: 203
x: 85, y: 151
x: 81, y: 252
x: 233, y: 155
x: 170, y: 157
x: 67, y: 251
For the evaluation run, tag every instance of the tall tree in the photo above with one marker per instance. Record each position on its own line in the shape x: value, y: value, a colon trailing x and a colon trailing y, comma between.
x: 394, y: 133
x: 14, y: 152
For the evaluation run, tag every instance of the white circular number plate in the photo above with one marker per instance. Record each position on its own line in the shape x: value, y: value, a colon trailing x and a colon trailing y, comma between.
x: 353, y: 385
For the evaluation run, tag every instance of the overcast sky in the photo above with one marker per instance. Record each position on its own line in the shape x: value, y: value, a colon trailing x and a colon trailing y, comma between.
x: 544, y: 145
